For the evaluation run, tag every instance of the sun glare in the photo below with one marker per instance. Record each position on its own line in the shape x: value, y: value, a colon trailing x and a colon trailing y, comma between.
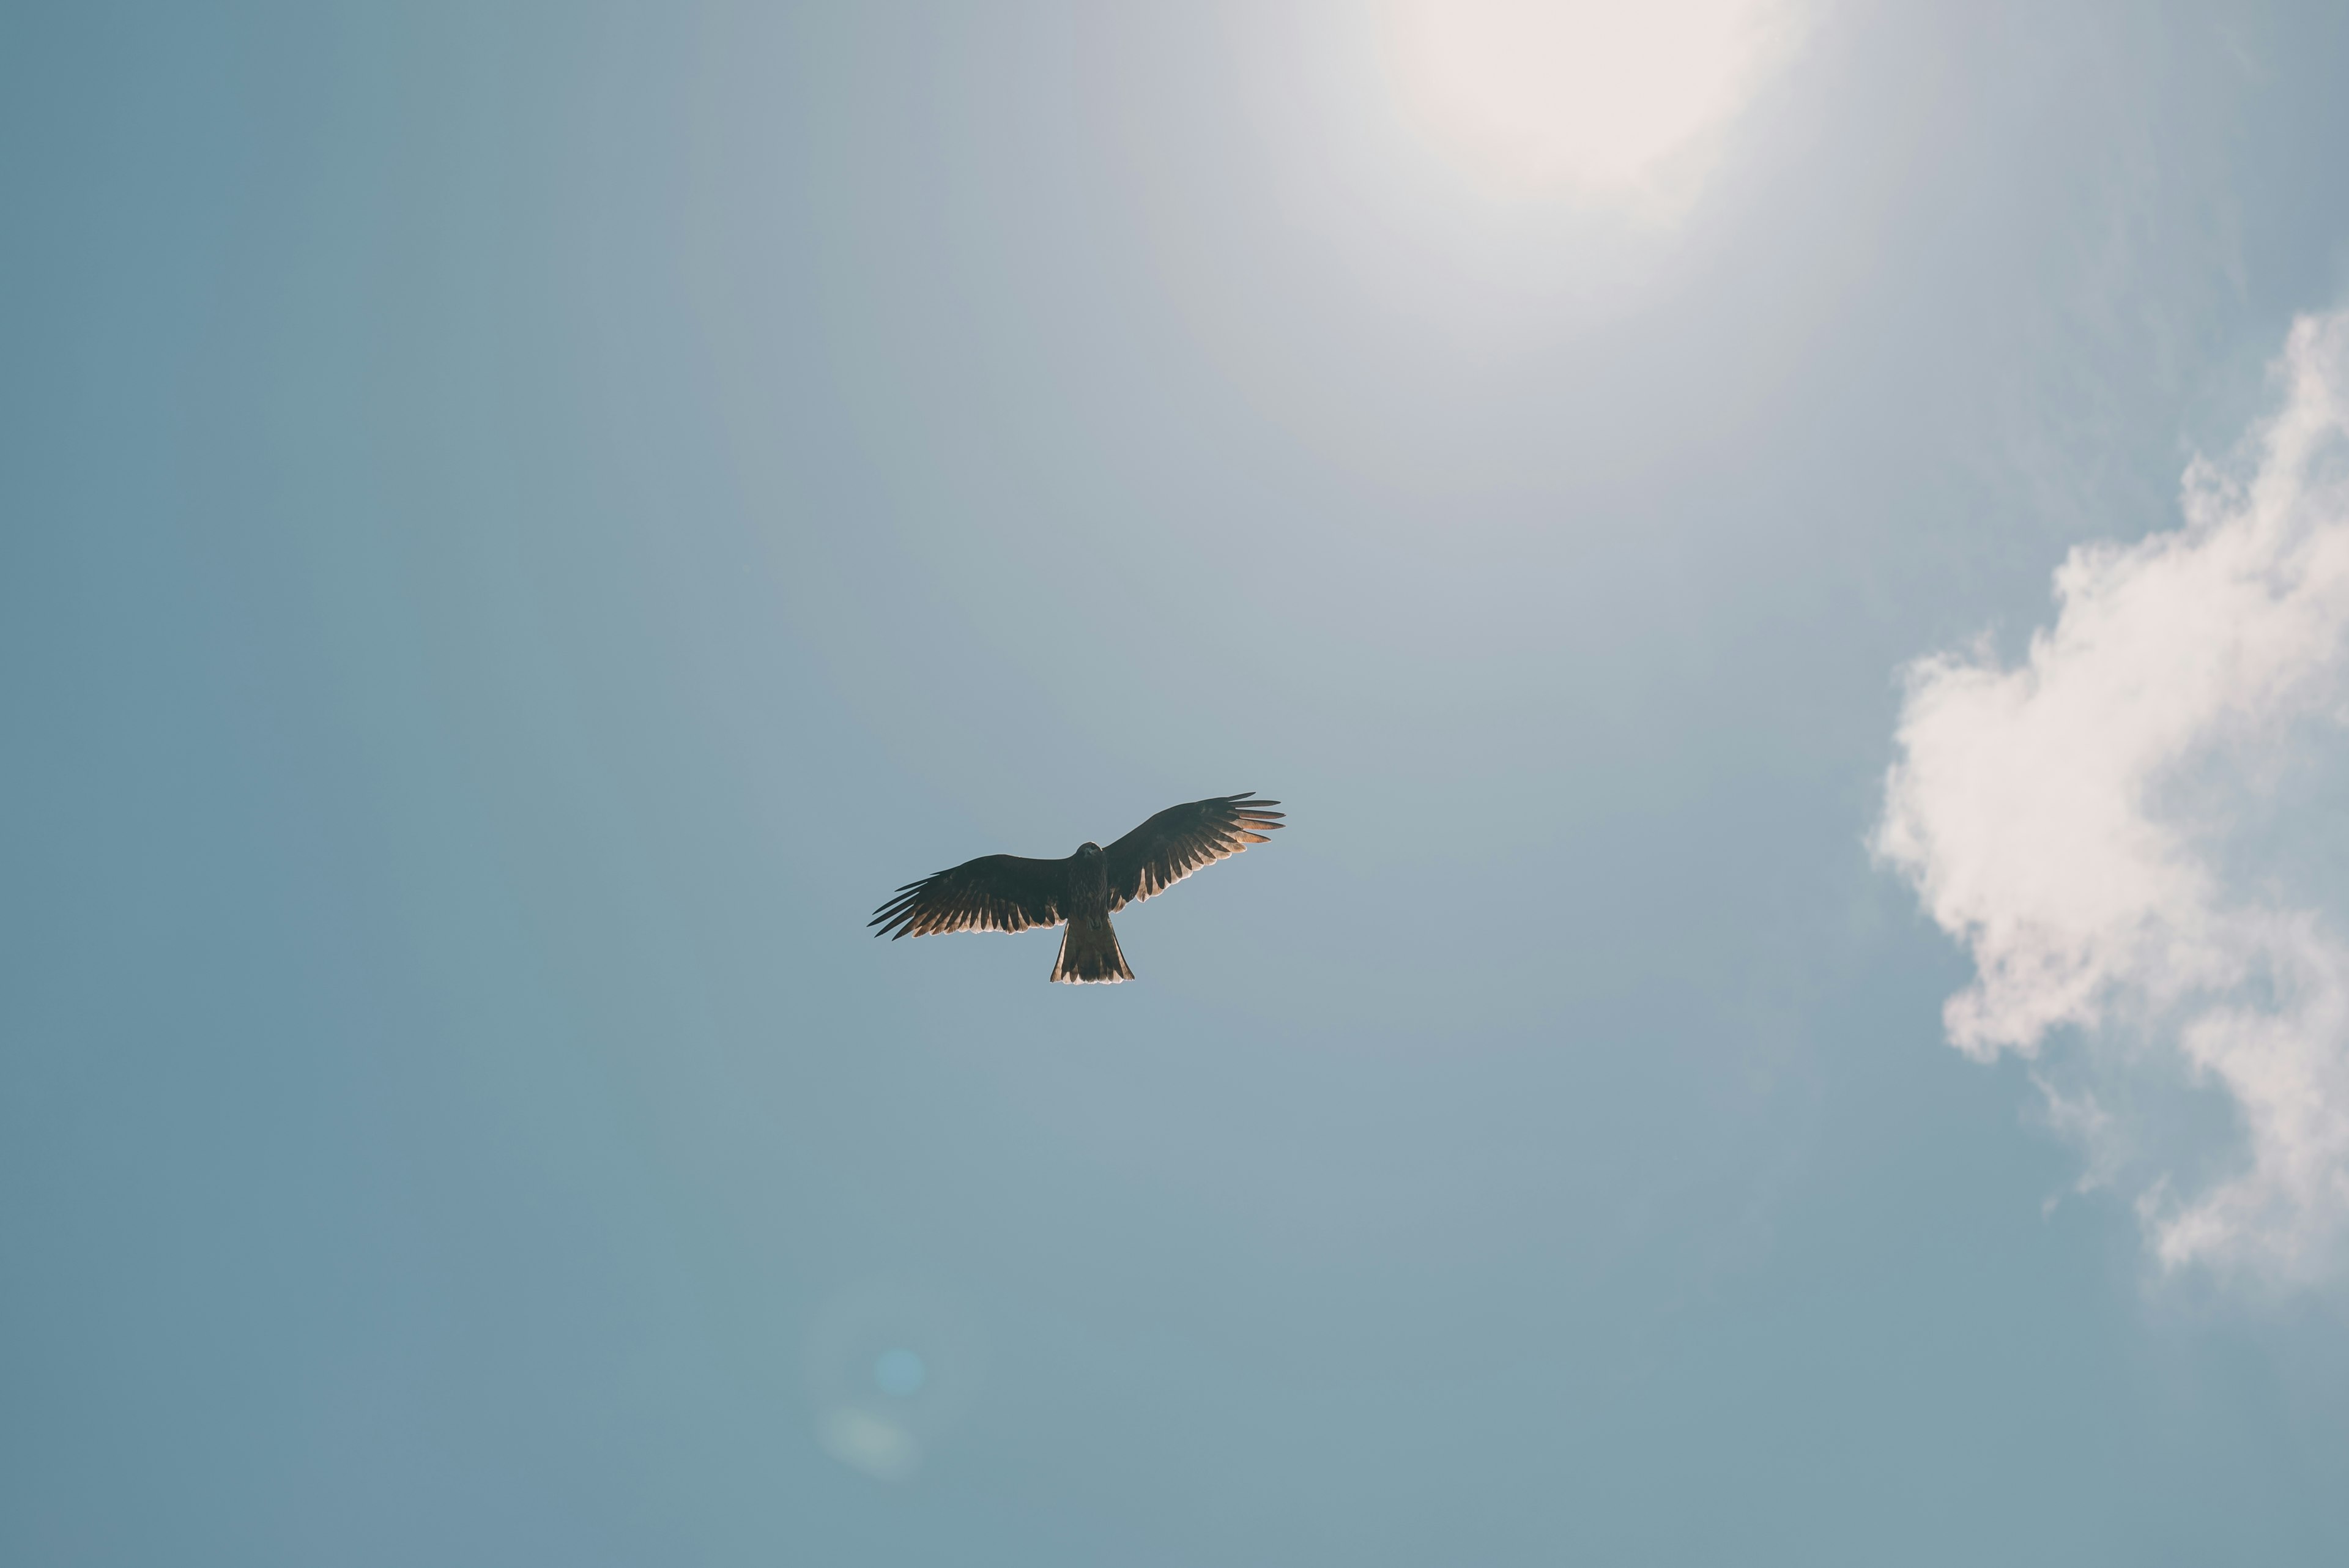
x: 1608, y: 101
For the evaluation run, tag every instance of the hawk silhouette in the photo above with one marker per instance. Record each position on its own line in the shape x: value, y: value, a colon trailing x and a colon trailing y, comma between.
x: 1011, y: 892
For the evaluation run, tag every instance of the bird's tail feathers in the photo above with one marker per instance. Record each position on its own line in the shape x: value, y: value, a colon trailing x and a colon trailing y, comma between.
x: 1090, y: 954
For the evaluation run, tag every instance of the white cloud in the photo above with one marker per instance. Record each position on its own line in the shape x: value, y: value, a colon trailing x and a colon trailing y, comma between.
x: 2081, y: 822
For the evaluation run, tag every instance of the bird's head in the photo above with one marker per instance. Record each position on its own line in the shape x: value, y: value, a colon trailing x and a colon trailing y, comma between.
x: 1089, y: 850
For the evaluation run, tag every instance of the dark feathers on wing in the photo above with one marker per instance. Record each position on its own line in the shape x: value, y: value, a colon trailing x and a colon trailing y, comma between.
x: 992, y: 893
x: 1181, y: 839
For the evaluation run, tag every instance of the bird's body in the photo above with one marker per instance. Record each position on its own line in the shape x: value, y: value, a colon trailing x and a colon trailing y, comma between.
x: 1089, y: 950
x: 1012, y: 893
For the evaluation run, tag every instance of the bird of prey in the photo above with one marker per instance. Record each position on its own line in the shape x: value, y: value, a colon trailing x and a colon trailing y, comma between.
x: 1011, y: 892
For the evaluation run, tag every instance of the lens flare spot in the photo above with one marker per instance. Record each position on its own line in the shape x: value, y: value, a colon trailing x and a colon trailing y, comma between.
x: 899, y: 1373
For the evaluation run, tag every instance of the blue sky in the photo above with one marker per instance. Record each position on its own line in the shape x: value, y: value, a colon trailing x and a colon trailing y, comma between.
x: 523, y: 524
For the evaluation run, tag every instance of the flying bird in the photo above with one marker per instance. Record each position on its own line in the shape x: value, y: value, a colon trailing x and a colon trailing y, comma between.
x: 1011, y: 892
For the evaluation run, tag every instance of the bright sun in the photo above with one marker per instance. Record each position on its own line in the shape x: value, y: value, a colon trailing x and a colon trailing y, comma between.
x: 1580, y: 96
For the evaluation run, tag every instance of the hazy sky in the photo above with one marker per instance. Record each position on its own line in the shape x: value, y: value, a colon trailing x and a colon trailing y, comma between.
x: 1789, y: 566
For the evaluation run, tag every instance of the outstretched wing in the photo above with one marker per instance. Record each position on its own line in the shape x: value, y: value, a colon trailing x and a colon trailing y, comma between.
x: 1181, y: 839
x: 992, y: 893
